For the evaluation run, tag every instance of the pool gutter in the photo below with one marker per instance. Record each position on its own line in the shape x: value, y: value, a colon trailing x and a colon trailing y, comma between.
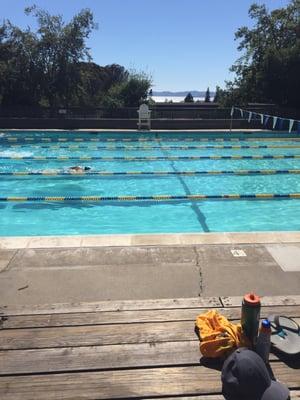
x: 21, y: 242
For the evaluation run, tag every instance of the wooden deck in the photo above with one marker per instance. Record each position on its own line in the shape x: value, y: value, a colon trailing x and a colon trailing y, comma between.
x: 126, y: 349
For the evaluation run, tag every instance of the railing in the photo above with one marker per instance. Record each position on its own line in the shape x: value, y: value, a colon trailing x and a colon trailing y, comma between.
x: 158, y: 112
x: 118, y: 113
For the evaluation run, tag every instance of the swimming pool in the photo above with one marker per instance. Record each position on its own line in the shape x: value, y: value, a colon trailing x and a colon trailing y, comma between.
x: 147, y: 182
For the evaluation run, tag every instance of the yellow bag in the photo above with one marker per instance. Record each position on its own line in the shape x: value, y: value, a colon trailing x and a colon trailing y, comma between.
x: 218, y: 337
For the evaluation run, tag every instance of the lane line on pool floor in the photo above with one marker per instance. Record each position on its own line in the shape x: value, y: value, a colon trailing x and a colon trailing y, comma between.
x: 194, y: 205
x: 154, y: 158
x: 153, y: 173
x: 156, y: 198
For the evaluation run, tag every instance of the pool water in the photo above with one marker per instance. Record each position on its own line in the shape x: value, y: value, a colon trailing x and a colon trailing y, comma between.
x: 192, y: 160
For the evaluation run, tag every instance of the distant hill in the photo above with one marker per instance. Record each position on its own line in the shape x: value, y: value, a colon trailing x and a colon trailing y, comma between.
x: 195, y: 93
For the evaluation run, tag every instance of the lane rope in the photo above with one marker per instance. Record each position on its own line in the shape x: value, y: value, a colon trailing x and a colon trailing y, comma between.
x: 154, y: 173
x: 113, y: 147
x: 11, y: 139
x: 125, y: 198
x: 155, y: 158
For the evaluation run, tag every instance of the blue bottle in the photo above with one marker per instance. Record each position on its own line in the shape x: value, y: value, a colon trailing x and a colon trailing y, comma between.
x: 263, y: 344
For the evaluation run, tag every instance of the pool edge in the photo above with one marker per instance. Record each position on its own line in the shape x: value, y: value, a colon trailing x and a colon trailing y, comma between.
x: 21, y: 242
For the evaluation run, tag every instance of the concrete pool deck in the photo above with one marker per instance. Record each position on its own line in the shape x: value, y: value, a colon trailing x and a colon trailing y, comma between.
x: 46, y: 270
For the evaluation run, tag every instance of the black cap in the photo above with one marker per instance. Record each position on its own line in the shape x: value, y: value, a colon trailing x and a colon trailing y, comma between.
x: 245, y: 376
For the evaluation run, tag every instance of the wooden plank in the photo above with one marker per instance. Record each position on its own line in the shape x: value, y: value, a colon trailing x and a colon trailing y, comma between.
x: 152, y: 304
x: 201, y: 397
x: 68, y: 359
x: 125, y: 317
x: 136, y: 383
x: 236, y: 301
x: 99, y: 357
x: 97, y: 335
x: 159, y: 304
x: 294, y: 394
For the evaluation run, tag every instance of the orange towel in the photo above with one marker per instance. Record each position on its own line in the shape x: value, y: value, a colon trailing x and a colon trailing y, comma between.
x: 218, y: 337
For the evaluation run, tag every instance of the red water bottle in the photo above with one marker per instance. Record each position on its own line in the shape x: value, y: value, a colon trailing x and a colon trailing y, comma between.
x: 250, y: 316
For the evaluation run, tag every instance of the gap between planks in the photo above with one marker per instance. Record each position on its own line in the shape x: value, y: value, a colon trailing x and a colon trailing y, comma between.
x: 97, y: 335
x: 122, y: 305
x: 151, y: 304
x: 128, y: 317
x: 236, y: 301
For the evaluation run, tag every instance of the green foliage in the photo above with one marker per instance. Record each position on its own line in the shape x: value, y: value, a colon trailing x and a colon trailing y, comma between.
x: 224, y: 97
x: 268, y: 70
x: 217, y: 94
x: 42, y: 66
x: 52, y: 66
x: 19, y: 67
x: 135, y: 90
x: 189, y: 98
x: 207, y: 96
x: 96, y: 81
x: 150, y: 101
x: 130, y: 93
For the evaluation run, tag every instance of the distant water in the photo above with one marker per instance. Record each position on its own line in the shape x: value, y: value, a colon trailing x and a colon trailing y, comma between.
x: 175, y: 99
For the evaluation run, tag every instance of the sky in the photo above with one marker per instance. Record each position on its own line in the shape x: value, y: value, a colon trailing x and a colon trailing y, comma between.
x: 182, y: 44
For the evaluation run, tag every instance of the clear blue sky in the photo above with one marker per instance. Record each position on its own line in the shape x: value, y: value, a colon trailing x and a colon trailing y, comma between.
x: 183, y: 44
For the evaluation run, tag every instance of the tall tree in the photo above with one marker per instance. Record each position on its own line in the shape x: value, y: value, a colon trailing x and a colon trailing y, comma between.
x: 207, y: 96
x: 20, y: 72
x: 218, y: 94
x: 52, y: 66
x: 96, y: 81
x: 129, y: 93
x: 43, y: 65
x: 62, y: 47
x: 268, y: 70
x: 189, y: 98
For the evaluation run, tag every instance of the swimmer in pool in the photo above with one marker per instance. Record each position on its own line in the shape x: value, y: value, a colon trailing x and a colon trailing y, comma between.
x: 77, y: 169
x: 45, y: 171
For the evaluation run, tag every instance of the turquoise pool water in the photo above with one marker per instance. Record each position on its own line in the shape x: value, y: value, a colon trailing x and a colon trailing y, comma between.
x: 18, y: 150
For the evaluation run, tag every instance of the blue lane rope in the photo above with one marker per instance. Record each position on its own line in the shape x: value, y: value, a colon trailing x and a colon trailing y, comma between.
x: 192, y: 197
x: 11, y: 139
x: 204, y: 147
x: 155, y: 173
x: 158, y: 158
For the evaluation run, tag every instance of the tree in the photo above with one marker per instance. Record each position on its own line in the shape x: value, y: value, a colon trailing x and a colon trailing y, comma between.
x: 52, y: 66
x: 43, y: 66
x: 189, y: 98
x: 20, y: 72
x: 207, y: 96
x: 130, y: 93
x: 268, y: 70
x: 62, y: 47
x: 135, y: 90
x: 96, y: 81
x: 217, y: 94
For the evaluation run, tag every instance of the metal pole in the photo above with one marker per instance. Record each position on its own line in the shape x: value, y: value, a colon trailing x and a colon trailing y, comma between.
x: 230, y: 123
